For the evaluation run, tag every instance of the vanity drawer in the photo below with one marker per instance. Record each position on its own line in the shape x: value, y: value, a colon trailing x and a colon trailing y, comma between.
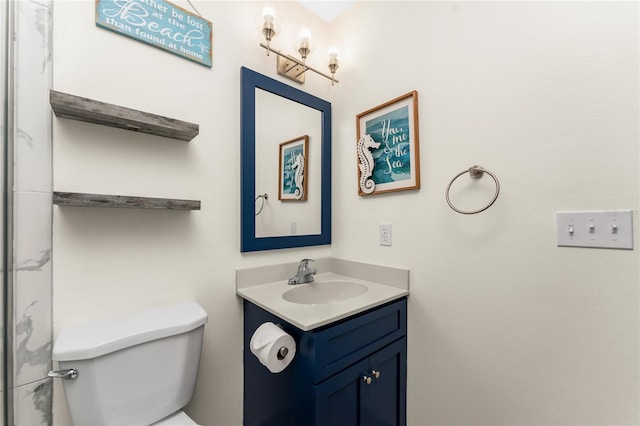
x: 338, y: 346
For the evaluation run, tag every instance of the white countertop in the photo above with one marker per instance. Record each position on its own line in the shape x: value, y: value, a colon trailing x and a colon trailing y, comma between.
x: 269, y: 295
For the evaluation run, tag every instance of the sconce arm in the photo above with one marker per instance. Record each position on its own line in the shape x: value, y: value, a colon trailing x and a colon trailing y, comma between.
x: 297, y: 61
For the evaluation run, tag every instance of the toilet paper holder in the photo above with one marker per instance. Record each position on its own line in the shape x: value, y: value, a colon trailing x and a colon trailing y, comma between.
x: 273, y: 346
x: 282, y: 353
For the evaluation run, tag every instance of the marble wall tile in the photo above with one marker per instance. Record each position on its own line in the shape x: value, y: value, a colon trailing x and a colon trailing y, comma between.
x: 3, y: 17
x: 32, y: 210
x: 45, y: 3
x: 32, y: 404
x: 32, y: 83
x: 32, y: 283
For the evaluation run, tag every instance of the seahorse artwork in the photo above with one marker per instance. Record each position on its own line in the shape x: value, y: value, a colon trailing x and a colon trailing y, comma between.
x: 298, y: 168
x: 365, y: 144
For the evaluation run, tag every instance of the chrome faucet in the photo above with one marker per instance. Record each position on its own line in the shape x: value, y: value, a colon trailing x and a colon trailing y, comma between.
x: 305, y: 273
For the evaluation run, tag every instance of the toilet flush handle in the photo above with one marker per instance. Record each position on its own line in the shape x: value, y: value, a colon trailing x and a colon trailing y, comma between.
x: 68, y: 374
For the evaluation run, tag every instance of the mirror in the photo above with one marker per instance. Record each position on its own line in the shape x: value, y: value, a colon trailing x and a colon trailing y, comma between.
x: 275, y: 118
x: 282, y: 129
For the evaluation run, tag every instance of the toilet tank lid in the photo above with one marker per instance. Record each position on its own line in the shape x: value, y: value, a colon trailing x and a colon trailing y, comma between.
x: 109, y: 334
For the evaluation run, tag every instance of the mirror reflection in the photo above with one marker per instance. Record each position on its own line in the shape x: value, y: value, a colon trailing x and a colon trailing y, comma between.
x: 279, y: 120
x: 283, y: 128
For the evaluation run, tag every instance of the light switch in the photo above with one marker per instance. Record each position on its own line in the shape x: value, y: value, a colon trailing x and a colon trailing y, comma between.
x: 600, y: 229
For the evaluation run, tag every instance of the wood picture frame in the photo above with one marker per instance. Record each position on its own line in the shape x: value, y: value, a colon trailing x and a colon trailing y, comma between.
x: 388, y: 146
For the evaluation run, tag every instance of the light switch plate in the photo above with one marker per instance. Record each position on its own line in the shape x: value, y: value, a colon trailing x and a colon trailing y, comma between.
x: 611, y: 229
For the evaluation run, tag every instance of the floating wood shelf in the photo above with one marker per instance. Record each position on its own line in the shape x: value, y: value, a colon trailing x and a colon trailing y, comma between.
x: 91, y: 111
x: 79, y: 199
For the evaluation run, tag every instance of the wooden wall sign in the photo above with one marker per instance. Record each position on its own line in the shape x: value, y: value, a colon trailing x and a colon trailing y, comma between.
x: 160, y: 24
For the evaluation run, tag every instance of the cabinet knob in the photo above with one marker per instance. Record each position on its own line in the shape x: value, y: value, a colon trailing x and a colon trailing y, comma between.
x: 375, y: 373
x: 366, y: 380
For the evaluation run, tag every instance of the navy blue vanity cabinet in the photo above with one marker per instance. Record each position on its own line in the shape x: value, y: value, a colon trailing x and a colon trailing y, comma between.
x: 352, y: 372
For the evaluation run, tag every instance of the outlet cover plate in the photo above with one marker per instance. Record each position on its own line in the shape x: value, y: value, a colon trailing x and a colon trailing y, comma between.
x: 385, y: 234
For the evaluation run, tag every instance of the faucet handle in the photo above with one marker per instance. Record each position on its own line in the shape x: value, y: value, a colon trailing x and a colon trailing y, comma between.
x: 304, y: 263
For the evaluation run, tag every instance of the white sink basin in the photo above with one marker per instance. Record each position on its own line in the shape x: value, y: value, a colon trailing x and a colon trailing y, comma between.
x: 333, y: 296
x: 324, y: 292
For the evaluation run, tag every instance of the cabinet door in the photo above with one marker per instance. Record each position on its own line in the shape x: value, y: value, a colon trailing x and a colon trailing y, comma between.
x: 384, y: 400
x: 356, y: 397
x: 338, y: 399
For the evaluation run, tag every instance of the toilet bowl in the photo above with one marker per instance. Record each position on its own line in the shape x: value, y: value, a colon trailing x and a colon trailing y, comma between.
x: 134, y: 368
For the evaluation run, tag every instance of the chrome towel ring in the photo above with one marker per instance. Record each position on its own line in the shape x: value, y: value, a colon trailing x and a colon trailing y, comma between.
x: 475, y: 172
x: 264, y: 197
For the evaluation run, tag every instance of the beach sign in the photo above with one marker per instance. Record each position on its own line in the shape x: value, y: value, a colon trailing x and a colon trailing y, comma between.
x: 160, y: 24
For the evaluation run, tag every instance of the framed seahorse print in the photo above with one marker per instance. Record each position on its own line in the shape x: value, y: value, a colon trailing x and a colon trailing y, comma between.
x: 388, y: 148
x: 292, y: 175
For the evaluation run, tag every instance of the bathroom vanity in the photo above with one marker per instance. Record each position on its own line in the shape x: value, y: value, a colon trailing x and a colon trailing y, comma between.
x: 349, y: 373
x: 350, y: 364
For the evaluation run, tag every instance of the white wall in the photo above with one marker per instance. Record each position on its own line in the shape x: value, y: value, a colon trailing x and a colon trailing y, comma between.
x: 504, y: 327
x: 110, y: 260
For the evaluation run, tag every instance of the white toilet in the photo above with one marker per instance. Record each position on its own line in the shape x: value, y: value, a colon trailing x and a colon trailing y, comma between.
x: 134, y: 369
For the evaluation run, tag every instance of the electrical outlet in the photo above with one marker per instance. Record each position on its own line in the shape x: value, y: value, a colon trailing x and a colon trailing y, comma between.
x: 385, y: 234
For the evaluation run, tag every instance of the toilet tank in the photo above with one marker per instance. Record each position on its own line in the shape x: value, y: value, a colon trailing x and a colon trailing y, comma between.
x: 133, y: 368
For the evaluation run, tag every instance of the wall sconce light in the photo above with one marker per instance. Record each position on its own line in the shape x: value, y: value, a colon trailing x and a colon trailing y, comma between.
x: 268, y: 25
x: 304, y: 45
x: 287, y: 65
x: 333, y: 62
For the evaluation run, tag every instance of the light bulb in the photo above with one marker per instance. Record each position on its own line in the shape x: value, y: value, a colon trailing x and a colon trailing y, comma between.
x: 333, y: 53
x: 268, y: 14
x: 305, y: 36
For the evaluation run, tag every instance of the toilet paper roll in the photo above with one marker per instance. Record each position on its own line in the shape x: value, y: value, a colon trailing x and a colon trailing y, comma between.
x: 273, y: 347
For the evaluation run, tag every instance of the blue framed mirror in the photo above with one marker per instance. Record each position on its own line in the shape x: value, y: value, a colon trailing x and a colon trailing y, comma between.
x: 274, y: 116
